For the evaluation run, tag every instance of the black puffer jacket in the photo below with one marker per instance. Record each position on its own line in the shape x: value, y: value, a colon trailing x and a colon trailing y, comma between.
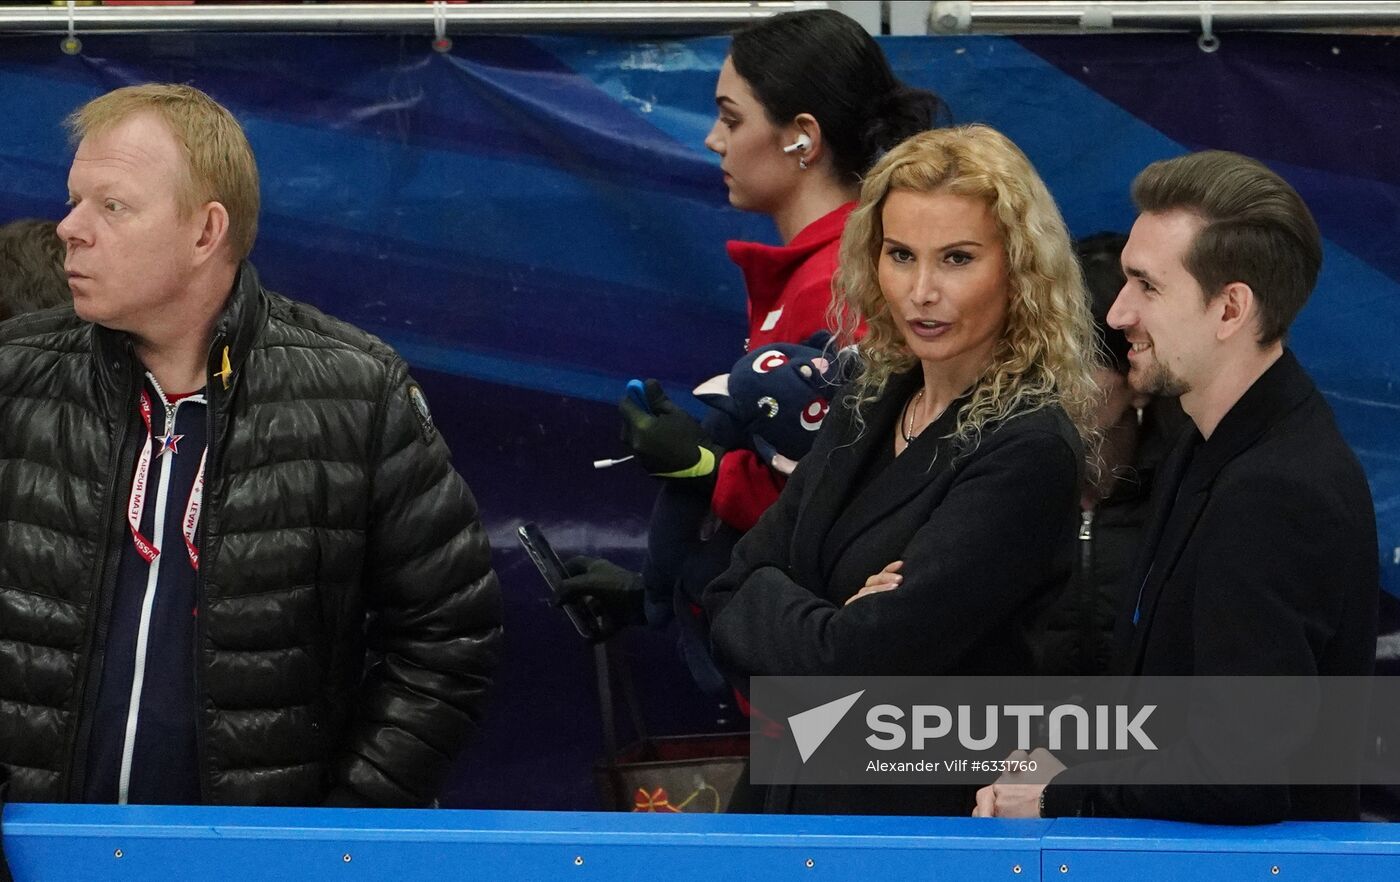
x: 349, y: 620
x: 1073, y: 635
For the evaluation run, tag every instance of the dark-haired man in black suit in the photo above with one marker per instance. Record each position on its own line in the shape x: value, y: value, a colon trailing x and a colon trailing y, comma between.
x: 1260, y: 558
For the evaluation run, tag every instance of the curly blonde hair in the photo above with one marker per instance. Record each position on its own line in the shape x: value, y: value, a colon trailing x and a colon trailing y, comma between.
x: 1047, y: 352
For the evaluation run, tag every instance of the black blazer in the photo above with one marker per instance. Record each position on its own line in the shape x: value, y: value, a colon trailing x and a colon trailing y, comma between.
x: 983, y: 535
x: 1260, y: 558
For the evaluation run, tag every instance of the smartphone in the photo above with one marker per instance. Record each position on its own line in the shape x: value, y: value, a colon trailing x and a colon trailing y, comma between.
x: 547, y: 562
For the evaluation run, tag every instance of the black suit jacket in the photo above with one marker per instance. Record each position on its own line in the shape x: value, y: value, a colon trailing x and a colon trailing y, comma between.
x: 1260, y: 559
x: 983, y: 535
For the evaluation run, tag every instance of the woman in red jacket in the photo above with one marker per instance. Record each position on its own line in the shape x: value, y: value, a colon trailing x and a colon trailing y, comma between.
x: 806, y: 103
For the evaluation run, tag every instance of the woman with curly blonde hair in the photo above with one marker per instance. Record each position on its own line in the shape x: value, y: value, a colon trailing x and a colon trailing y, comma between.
x: 935, y: 511
x: 1046, y: 354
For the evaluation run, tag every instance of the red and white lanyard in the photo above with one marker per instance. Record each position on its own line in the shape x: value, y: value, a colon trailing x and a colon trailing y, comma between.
x: 137, y: 503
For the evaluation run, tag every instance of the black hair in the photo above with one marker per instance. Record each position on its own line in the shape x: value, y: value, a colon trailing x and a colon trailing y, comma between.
x: 822, y: 62
x: 1100, y: 256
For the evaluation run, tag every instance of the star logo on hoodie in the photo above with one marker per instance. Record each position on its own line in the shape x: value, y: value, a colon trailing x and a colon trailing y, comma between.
x: 170, y: 443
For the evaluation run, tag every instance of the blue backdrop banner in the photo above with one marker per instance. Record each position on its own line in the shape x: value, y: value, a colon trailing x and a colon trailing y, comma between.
x: 531, y: 221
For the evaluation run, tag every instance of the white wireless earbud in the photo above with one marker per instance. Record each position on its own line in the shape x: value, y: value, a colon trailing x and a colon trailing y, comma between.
x: 802, y: 143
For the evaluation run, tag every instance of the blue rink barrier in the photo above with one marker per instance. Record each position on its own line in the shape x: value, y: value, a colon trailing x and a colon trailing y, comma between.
x: 82, y: 842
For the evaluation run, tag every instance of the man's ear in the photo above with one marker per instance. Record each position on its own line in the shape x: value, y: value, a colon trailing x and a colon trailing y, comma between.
x: 1239, y: 311
x: 213, y: 231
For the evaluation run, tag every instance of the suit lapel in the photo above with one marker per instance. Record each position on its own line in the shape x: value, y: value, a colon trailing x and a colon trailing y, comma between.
x: 1144, y: 575
x: 1283, y: 387
x: 829, y: 490
x: 923, y: 461
x: 1177, y: 531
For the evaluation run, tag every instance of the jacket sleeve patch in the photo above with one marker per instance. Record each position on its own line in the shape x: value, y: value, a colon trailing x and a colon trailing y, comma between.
x: 425, y: 416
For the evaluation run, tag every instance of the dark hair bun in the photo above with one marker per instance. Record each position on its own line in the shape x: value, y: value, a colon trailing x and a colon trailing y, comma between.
x: 902, y: 113
x: 820, y: 61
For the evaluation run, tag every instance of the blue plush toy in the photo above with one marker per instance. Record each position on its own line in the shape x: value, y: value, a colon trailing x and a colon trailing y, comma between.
x: 773, y: 401
x: 777, y: 396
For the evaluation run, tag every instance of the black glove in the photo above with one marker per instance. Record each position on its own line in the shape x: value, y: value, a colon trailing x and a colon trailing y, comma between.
x: 668, y: 442
x: 613, y: 593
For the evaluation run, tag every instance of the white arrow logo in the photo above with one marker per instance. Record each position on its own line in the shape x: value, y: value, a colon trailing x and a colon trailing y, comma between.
x: 810, y: 728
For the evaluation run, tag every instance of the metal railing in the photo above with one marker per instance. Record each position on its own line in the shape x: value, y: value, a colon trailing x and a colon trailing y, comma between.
x: 904, y: 16
x: 980, y: 16
x: 396, y: 17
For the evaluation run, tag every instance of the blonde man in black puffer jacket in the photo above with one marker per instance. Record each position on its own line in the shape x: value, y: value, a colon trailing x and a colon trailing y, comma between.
x: 236, y: 564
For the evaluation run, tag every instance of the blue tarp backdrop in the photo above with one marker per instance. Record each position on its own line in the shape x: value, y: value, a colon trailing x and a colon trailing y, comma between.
x: 533, y: 220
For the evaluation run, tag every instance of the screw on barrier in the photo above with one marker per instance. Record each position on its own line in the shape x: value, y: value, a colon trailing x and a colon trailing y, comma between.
x: 345, y: 857
x: 441, y: 42
x: 70, y: 44
x: 1064, y: 868
x: 811, y: 863
x: 1016, y: 869
x: 951, y: 17
x: 1274, y: 869
x: 578, y: 860
x: 1208, y: 41
x: 117, y: 854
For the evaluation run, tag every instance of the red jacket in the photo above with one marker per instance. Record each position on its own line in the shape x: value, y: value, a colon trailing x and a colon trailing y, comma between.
x: 789, y: 292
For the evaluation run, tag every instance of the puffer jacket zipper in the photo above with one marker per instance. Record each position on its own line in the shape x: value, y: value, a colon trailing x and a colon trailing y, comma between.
x: 1088, y: 592
x: 213, y: 387
x: 104, y: 584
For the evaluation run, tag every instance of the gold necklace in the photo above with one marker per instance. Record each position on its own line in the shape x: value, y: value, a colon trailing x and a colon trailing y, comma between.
x: 910, y: 407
